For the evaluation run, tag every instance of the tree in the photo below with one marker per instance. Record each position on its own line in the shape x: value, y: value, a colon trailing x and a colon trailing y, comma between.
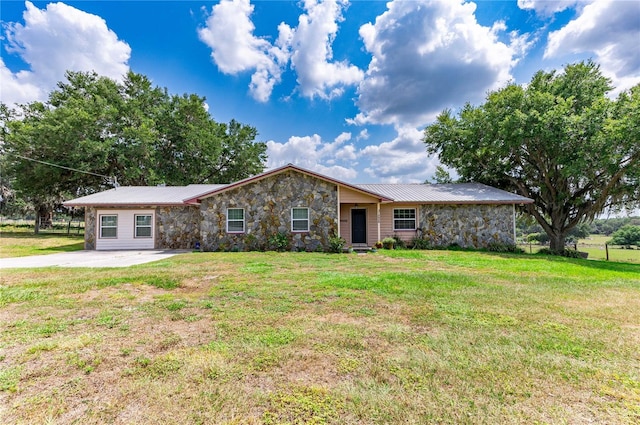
x: 558, y: 140
x: 627, y: 236
x: 131, y: 132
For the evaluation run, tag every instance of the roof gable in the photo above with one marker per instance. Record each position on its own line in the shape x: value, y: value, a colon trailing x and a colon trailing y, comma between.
x: 279, y: 170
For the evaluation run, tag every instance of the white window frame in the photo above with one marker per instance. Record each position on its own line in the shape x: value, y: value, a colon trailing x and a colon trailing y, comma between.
x: 102, y: 226
x: 236, y: 220
x: 136, y: 226
x: 298, y: 220
x: 396, y: 219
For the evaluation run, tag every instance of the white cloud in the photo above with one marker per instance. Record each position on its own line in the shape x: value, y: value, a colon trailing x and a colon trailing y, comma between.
x: 548, y: 7
x: 234, y: 48
x: 312, y: 53
x: 610, y: 30
x: 312, y: 153
x: 54, y: 40
x: 402, y: 160
x: 419, y: 48
x: 229, y: 32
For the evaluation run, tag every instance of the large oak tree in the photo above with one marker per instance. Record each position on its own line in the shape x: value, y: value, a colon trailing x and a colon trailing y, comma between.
x: 558, y: 140
x: 129, y: 131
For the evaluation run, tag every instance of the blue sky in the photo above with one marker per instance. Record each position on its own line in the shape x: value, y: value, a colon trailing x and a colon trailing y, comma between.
x: 343, y: 88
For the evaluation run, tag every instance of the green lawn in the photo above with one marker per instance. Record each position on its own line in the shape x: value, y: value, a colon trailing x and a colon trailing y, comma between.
x: 391, y: 337
x: 20, y: 242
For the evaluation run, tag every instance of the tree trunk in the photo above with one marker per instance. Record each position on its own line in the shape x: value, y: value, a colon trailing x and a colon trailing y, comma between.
x: 44, y: 217
x: 556, y: 242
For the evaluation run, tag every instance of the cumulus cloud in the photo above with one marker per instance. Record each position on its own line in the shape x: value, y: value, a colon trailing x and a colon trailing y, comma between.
x: 312, y: 53
x: 402, y: 160
x: 54, y: 40
x: 547, y: 7
x: 609, y: 29
x: 312, y: 153
x: 418, y: 48
x: 234, y: 47
x: 229, y: 32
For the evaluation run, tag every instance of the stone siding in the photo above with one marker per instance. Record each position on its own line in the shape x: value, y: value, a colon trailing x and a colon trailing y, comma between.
x: 469, y: 226
x: 177, y: 227
x: 90, y: 228
x: 267, y: 207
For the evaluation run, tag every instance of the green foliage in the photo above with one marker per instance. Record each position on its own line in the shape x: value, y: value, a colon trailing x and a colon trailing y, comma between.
x: 419, y: 243
x: 503, y: 247
x: 388, y: 243
x: 569, y: 253
x: 279, y: 241
x: 336, y: 244
x: 626, y: 235
x: 132, y: 131
x: 558, y: 140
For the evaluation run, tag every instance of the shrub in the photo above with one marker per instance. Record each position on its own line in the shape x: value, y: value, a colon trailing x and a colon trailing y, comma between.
x: 336, y: 244
x: 279, y: 241
x: 419, y: 243
x: 504, y: 247
x: 399, y: 243
x: 569, y: 253
x: 388, y: 243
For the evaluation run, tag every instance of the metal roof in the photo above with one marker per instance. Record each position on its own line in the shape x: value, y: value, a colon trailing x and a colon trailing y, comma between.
x: 454, y: 193
x: 144, y: 195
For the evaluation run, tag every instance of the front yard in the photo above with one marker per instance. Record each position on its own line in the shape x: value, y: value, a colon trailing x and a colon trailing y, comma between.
x: 391, y: 337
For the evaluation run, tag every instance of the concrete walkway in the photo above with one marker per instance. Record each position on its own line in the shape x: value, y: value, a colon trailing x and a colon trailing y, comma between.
x: 89, y: 259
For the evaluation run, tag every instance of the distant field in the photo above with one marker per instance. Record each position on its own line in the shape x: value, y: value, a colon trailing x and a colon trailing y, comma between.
x: 394, y: 337
x: 595, y: 246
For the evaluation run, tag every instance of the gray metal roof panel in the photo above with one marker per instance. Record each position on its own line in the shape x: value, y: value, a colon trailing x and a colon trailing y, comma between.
x: 467, y: 193
x: 144, y: 195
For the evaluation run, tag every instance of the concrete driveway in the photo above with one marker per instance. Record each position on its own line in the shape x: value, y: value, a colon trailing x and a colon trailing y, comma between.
x: 89, y: 259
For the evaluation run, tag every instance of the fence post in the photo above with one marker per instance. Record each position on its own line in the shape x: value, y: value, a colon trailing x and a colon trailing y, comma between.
x: 606, y: 247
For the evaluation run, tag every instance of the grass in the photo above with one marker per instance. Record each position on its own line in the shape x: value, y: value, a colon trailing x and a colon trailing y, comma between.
x: 20, y: 242
x: 274, y: 338
x: 595, y: 246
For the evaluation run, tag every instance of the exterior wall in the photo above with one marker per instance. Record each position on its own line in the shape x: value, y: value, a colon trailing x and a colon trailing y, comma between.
x: 125, y: 231
x: 468, y: 226
x: 267, y: 207
x: 90, y: 228
x: 177, y: 227
x: 386, y: 222
x: 345, y: 222
x: 349, y: 196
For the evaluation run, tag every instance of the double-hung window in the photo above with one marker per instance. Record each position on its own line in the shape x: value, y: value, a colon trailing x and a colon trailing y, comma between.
x: 143, y: 226
x: 235, y: 220
x: 109, y: 226
x: 299, y: 219
x: 404, y: 219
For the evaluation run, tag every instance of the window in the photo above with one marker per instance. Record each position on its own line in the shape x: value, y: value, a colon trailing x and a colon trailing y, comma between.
x: 404, y: 219
x: 299, y: 219
x: 143, y: 226
x: 108, y: 226
x: 235, y: 220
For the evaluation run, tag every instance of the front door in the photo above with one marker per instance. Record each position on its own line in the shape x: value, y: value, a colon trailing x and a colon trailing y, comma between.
x: 358, y: 226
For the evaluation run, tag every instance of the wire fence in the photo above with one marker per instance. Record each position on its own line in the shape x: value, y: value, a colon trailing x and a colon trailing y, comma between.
x: 66, y: 226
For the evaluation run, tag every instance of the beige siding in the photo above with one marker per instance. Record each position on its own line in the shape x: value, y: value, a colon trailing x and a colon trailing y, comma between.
x: 349, y: 196
x: 386, y: 222
x: 125, y: 238
x: 345, y: 222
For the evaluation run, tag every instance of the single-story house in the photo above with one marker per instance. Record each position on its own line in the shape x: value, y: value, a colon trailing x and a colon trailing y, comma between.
x: 308, y: 207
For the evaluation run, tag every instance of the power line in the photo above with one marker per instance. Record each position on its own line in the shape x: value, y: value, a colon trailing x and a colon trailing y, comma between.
x: 112, y: 179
